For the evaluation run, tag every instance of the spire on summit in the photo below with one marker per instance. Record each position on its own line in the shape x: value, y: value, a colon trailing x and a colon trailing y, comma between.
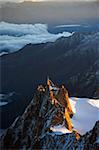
x: 51, y: 85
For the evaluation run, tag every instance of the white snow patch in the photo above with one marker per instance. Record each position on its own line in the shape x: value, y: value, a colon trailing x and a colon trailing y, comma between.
x: 86, y: 113
x: 53, y: 88
x: 3, y: 103
x: 59, y: 129
x: 3, y: 53
x: 97, y: 141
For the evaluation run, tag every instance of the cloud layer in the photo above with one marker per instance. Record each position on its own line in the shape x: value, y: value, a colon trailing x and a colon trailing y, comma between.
x: 15, y: 36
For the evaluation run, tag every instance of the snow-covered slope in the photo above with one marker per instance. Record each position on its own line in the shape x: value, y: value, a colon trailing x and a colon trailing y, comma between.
x: 86, y: 113
x: 85, y: 116
x: 60, y: 129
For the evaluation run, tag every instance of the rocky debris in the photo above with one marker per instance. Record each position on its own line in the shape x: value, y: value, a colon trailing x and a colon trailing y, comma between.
x: 50, y: 107
x: 57, y: 142
x: 41, y: 88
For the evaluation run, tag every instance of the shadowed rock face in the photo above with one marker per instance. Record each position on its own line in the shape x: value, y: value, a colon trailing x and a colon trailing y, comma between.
x: 37, y: 119
x: 68, y: 142
x: 32, y: 130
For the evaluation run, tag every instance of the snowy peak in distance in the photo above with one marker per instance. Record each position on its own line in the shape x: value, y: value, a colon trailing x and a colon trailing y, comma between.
x: 52, y: 119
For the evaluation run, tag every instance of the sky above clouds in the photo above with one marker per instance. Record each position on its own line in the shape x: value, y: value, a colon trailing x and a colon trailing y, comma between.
x: 42, y: 0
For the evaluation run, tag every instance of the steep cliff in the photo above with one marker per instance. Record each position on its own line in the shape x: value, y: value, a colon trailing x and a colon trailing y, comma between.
x: 46, y: 124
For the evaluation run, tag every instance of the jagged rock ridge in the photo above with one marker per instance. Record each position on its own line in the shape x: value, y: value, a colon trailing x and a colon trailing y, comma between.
x: 49, y: 107
x: 73, y: 61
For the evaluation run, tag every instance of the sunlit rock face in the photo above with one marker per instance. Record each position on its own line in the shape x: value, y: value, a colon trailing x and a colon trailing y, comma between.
x: 46, y: 124
x: 48, y: 108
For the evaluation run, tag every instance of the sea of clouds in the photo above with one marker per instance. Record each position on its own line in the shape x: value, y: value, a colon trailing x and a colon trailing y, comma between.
x: 15, y: 36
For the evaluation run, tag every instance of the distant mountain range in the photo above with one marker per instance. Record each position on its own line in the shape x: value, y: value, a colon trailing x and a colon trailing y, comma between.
x: 73, y: 61
x: 13, y: 36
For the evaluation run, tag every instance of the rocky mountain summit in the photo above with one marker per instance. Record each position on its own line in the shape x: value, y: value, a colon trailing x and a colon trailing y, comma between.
x: 73, y: 61
x: 46, y: 124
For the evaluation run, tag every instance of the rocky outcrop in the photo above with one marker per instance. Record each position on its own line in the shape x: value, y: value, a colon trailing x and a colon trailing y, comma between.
x: 90, y: 141
x: 33, y: 130
x: 49, y: 107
